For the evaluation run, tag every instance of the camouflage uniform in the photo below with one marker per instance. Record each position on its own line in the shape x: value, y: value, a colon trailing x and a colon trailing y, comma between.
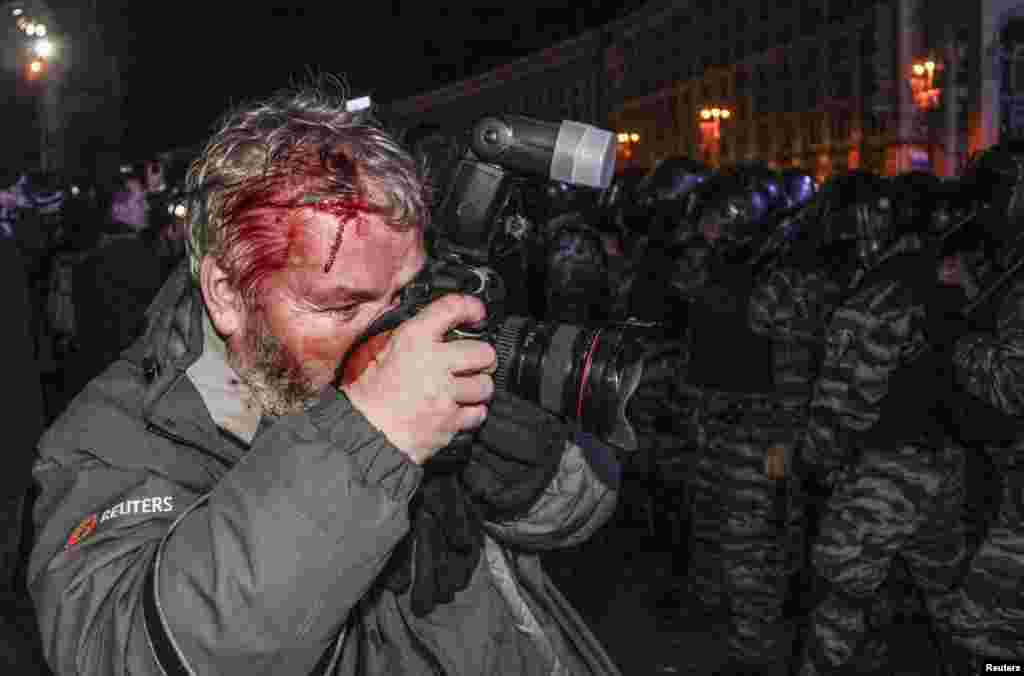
x: 689, y: 277
x: 652, y: 270
x: 898, y: 480
x: 791, y: 306
x: 749, y: 401
x: 760, y: 520
x: 988, y: 617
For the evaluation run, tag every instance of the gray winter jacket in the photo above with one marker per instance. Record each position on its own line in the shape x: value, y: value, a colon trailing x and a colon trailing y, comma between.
x: 166, y: 547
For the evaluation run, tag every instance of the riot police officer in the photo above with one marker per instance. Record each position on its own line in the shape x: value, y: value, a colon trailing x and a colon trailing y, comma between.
x: 575, y: 272
x: 798, y: 186
x: 873, y: 434
x: 660, y: 224
x: 791, y: 305
x: 988, y: 613
x: 737, y: 418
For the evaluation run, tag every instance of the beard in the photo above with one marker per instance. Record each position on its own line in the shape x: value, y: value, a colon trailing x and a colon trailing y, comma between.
x: 273, y: 375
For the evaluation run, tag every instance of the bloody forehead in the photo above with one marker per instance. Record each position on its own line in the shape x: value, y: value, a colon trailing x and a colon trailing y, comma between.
x: 345, y: 210
x: 264, y: 223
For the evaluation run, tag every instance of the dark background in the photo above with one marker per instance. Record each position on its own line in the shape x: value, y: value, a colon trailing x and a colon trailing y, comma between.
x: 184, y: 63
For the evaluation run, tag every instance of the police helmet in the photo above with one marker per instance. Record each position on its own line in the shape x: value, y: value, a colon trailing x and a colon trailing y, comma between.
x: 672, y: 179
x: 995, y: 182
x: 732, y: 210
x: 855, y: 213
x: 758, y: 176
x: 798, y: 186
x: 915, y: 194
x: 952, y: 209
x: 661, y: 198
x: 575, y: 270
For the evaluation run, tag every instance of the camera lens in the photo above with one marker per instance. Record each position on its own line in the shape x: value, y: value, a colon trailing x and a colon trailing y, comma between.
x: 586, y: 374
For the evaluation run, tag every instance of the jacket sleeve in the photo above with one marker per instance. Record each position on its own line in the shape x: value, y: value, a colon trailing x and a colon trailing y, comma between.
x: 866, y: 340
x: 579, y: 500
x: 255, y: 575
x: 790, y: 305
x: 991, y: 365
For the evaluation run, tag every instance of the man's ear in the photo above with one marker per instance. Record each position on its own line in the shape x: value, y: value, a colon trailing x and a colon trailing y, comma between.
x: 224, y: 303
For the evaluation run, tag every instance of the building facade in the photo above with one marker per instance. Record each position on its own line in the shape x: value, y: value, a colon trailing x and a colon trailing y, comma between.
x: 827, y: 85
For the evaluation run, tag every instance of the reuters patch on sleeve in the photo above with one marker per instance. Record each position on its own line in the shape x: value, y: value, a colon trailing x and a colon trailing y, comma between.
x: 82, y: 531
x: 125, y: 513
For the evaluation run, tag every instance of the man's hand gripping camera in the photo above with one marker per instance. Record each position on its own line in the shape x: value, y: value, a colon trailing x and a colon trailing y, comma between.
x: 442, y: 275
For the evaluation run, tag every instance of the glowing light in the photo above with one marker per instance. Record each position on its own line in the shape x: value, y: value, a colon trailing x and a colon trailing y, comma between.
x: 43, y: 48
x: 36, y: 66
x: 75, y: 191
x: 30, y: 29
x: 715, y: 112
x: 40, y: 30
x: 180, y: 210
x: 918, y: 69
x: 725, y: 113
x: 17, y: 11
x: 634, y: 137
x: 623, y: 138
x: 706, y: 114
x: 929, y: 65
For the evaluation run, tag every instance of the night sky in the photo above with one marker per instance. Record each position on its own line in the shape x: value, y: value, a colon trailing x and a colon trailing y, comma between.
x: 184, y: 63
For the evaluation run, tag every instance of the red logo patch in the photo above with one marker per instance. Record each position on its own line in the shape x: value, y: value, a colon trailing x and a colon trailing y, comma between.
x: 82, y: 531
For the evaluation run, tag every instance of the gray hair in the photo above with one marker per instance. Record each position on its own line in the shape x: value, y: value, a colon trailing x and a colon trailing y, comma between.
x: 293, y: 150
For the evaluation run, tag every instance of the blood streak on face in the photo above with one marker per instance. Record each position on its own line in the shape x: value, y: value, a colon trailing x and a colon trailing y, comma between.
x: 268, y: 228
x: 312, y: 311
x: 264, y: 218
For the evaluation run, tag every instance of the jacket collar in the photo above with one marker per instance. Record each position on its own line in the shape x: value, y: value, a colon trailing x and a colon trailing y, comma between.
x: 226, y: 396
x: 172, y: 342
x: 173, y: 338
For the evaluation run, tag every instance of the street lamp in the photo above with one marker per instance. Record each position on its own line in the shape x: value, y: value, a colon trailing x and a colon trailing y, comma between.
x: 715, y: 114
x: 627, y: 141
x: 926, y: 92
x: 38, y: 56
x: 711, y: 118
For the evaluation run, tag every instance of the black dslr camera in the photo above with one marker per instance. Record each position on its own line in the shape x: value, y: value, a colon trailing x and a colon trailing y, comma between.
x: 585, y: 374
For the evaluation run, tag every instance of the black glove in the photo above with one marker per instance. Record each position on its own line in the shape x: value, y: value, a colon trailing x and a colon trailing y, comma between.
x: 515, y: 456
x: 944, y: 322
x: 943, y: 329
x: 443, y: 546
x: 815, y: 479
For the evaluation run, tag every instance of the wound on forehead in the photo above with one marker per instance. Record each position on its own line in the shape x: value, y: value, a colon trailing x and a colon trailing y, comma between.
x: 263, y: 221
x: 344, y: 209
